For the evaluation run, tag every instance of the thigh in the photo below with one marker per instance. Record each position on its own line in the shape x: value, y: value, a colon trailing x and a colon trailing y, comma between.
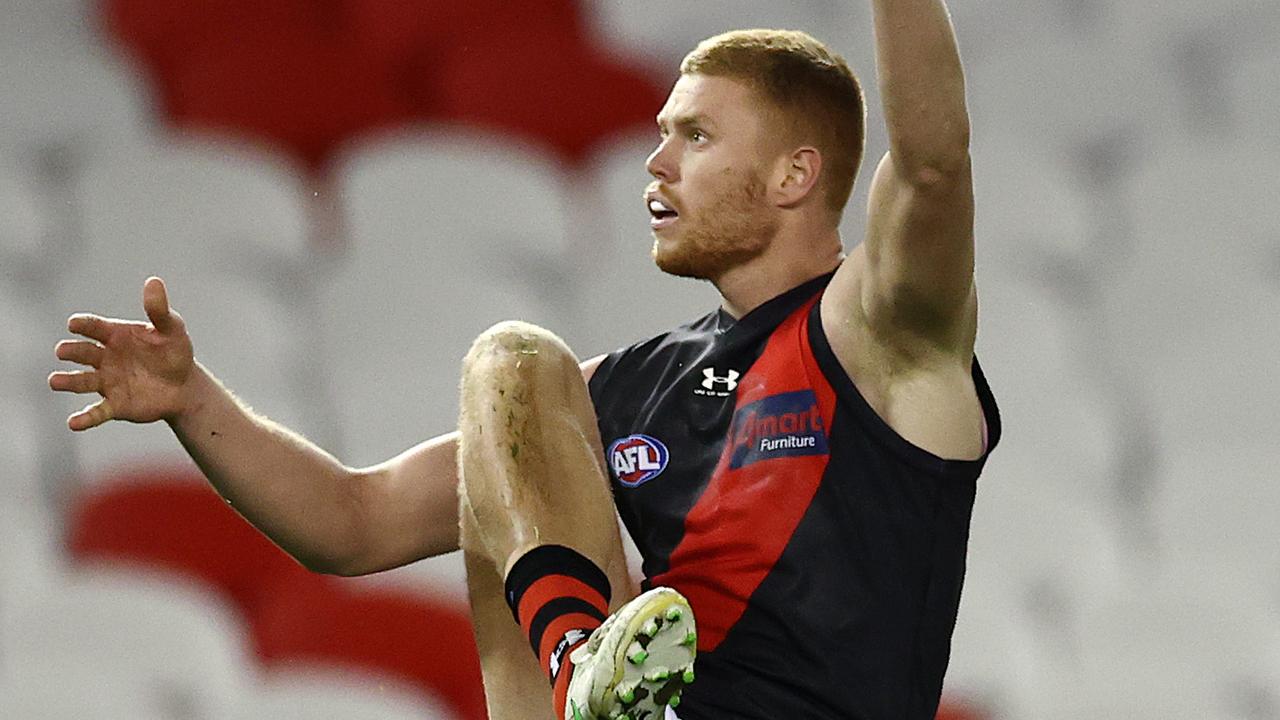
x: 532, y: 472
x: 531, y: 459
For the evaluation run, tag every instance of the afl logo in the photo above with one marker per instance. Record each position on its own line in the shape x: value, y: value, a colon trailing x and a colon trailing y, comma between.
x: 637, y: 459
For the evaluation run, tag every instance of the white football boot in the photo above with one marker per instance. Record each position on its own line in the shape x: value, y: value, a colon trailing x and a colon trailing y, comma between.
x: 637, y: 663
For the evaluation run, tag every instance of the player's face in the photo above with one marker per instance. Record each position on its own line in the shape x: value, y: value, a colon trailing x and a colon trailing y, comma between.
x: 708, y: 205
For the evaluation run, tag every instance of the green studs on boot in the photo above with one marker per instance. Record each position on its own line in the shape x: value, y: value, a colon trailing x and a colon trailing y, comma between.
x: 657, y: 675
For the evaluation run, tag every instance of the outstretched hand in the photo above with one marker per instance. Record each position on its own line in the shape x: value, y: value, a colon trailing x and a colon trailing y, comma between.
x: 140, y: 369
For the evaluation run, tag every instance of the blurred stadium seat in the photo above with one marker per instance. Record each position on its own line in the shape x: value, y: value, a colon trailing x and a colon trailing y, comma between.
x: 227, y: 229
x: 317, y: 694
x: 1214, y: 514
x: 46, y: 24
x: 1160, y: 25
x: 512, y: 85
x: 397, y: 32
x: 1195, y: 313
x: 997, y: 655
x: 1036, y: 355
x: 661, y: 32
x: 72, y: 695
x: 425, y: 643
x: 162, y: 34
x: 1029, y: 212
x: 449, y: 233
x: 1056, y: 90
x: 1253, y: 85
x: 281, y: 72
x: 180, y: 525
x: 24, y: 323
x: 24, y: 225
x: 295, y: 89
x: 1159, y: 656
x: 191, y: 197
x: 30, y: 557
x: 177, y: 648
x: 67, y: 101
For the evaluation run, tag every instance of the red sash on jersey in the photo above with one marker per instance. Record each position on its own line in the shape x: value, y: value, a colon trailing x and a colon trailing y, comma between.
x: 773, y: 461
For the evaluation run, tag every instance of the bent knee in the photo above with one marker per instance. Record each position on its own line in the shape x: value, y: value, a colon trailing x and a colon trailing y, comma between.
x: 519, y: 348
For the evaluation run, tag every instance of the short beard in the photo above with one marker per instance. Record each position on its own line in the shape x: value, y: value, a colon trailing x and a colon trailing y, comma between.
x: 734, y: 230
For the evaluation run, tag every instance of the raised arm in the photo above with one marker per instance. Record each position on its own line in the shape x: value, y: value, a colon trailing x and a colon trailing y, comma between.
x: 916, y: 279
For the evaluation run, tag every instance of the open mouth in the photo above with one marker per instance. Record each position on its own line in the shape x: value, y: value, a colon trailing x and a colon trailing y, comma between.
x: 661, y: 214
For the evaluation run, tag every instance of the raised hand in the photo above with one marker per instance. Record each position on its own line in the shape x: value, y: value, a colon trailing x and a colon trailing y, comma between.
x: 140, y: 369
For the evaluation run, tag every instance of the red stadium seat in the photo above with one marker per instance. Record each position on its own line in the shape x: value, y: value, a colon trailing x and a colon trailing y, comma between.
x: 162, y: 33
x: 283, y: 72
x: 182, y: 525
x: 424, y: 642
x: 396, y: 32
x: 569, y: 97
x: 309, y: 74
x: 297, y: 88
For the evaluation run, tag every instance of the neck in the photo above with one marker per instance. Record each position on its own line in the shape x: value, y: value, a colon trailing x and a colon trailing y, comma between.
x: 789, y: 262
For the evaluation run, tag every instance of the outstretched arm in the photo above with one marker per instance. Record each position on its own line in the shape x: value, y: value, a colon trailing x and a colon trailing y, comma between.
x: 916, y: 281
x: 330, y: 517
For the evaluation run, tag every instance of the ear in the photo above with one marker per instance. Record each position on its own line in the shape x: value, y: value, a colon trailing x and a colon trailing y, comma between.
x: 798, y: 173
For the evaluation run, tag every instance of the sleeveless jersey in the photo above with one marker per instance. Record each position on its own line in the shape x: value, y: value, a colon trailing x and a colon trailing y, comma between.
x: 822, y: 553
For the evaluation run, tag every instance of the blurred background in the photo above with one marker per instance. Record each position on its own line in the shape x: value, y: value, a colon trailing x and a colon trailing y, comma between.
x: 342, y: 193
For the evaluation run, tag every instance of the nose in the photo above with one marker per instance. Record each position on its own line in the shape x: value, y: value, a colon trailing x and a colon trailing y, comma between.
x: 661, y: 163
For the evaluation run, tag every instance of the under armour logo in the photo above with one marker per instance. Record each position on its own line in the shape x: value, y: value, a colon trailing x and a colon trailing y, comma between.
x: 730, y: 381
x: 571, y: 638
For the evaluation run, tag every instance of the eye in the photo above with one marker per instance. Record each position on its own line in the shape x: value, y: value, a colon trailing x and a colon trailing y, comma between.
x: 697, y: 136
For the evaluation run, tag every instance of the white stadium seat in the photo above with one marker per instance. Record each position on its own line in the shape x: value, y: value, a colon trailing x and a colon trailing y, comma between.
x: 226, y: 229
x: 449, y: 235
x: 1156, y: 657
x: 1163, y: 24
x: 1214, y: 514
x: 30, y: 557
x: 997, y: 655
x: 73, y: 694
x: 1194, y: 313
x: 331, y: 695
x: 1253, y: 86
x: 1035, y: 353
x: 44, y: 24
x: 198, y: 198
x: 1058, y: 90
x: 25, y: 229
x: 59, y: 100
x: 172, y: 643
x: 662, y: 31
x: 23, y: 224
x: 1027, y: 210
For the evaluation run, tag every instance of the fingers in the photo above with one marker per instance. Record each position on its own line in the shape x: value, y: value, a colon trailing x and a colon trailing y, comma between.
x: 90, y: 326
x: 79, y: 381
x: 155, y: 300
x: 80, y: 351
x: 91, y: 416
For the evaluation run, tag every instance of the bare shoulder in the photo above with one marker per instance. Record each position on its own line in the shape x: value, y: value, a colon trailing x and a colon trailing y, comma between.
x: 922, y: 389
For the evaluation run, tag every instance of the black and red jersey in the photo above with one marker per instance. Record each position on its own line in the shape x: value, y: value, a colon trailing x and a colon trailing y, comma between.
x: 823, y: 554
